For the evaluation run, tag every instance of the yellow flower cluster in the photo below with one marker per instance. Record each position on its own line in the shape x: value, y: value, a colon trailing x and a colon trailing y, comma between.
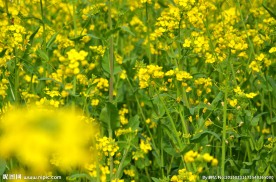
x: 192, y: 156
x: 129, y: 172
x: 107, y: 145
x: 185, y: 4
x: 257, y: 64
x: 102, y: 170
x: 149, y: 76
x: 122, y: 131
x: 184, y: 175
x: 3, y: 87
x: 40, y: 137
x: 102, y: 84
x: 272, y: 142
x: 12, y: 37
x: 167, y: 23
x: 146, y: 1
x: 122, y: 114
x: 241, y: 93
x: 92, y: 10
x: 145, y: 74
x: 98, y: 52
x: 145, y: 146
x: 206, y: 83
x: 71, y: 64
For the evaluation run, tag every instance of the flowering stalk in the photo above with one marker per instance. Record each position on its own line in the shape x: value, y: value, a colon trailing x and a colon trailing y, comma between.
x: 120, y: 168
x: 223, y: 152
x: 148, y: 33
x: 111, y: 58
x: 16, y: 81
x: 223, y: 146
x: 111, y: 79
x: 44, y: 31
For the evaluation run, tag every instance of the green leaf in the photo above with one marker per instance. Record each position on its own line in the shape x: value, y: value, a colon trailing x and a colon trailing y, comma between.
x: 134, y: 122
x: 50, y: 42
x: 168, y: 129
x: 259, y: 144
x: 43, y: 55
x: 217, y: 99
x: 126, y: 29
x: 143, y: 162
x: 3, y: 53
x: 272, y: 82
x: 93, y: 36
x: 233, y: 165
x: 29, y: 45
x: 33, y: 35
x: 106, y: 64
x: 248, y: 163
x: 199, y: 136
x: 273, y: 120
x: 81, y: 36
x: 43, y: 79
x: 80, y: 175
x: 256, y: 119
x: 109, y: 116
x: 261, y: 166
x: 245, y: 172
x: 76, y: 38
x: 155, y: 179
x: 111, y: 32
x: 3, y: 165
x: 200, y: 106
x: 269, y: 11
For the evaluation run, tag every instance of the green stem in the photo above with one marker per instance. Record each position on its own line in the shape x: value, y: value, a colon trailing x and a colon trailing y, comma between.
x: 75, y: 19
x: 148, y: 34
x: 248, y: 151
x: 184, y: 125
x: 171, y: 120
x: 111, y: 58
x: 223, y: 153
x: 7, y: 11
x: 120, y: 168
x: 144, y: 118
x: 246, y: 31
x: 147, y: 173
x: 185, y: 98
x: 16, y: 81
x: 74, y: 92
x: 111, y: 79
x: 43, y: 44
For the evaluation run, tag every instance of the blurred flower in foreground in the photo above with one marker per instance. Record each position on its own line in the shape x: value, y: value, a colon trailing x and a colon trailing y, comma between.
x: 41, y: 138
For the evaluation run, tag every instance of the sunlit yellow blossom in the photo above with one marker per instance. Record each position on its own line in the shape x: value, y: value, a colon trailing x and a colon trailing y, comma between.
x: 214, y: 162
x: 187, y: 43
x: 251, y: 95
x: 107, y: 145
x: 208, y: 122
x: 123, y: 75
x: 238, y: 90
x: 190, y: 156
x: 207, y: 157
x: 129, y: 172
x: 272, y: 50
x: 145, y: 146
x: 38, y: 136
x: 233, y: 102
x: 95, y: 102
x: 266, y: 131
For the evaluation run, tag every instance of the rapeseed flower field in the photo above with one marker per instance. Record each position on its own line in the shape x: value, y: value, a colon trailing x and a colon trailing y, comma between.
x: 138, y: 90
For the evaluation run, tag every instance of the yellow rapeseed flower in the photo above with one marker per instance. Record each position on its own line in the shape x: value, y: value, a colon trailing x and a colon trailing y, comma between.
x: 40, y: 137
